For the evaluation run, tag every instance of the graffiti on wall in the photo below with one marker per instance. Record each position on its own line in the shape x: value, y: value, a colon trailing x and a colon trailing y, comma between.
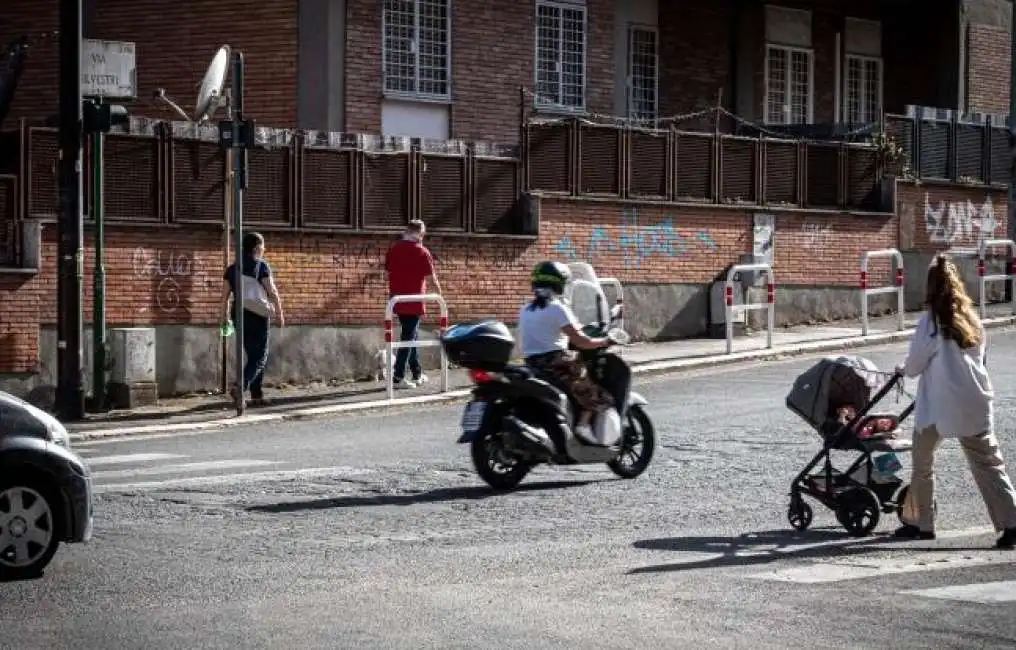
x: 365, y: 261
x: 815, y: 236
x: 168, y: 272
x: 636, y: 242
x: 953, y: 222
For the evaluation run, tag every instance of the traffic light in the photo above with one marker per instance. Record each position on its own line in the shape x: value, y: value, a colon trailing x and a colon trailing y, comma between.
x: 100, y: 118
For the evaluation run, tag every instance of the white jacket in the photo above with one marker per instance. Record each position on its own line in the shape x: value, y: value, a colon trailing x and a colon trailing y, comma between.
x: 955, y: 393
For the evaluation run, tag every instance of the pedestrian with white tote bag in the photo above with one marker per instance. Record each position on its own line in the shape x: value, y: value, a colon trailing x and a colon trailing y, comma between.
x: 261, y: 302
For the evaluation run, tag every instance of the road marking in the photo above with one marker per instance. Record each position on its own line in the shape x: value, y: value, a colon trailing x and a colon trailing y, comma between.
x: 181, y: 468
x: 838, y: 570
x: 985, y: 593
x: 129, y: 458
x: 281, y: 475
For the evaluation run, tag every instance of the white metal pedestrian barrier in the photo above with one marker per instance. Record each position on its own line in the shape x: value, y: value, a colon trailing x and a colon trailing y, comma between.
x: 732, y: 309
x: 619, y: 301
x: 896, y: 287
x: 1009, y: 275
x: 392, y: 345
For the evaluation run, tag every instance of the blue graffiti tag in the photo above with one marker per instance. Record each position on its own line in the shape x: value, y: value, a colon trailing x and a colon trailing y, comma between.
x: 637, y: 242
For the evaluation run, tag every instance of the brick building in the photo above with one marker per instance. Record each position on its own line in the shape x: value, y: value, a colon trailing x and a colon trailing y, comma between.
x: 453, y: 70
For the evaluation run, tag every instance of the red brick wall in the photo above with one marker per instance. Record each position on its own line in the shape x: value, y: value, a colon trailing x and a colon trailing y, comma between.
x: 37, y: 90
x: 938, y: 217
x: 168, y: 275
x: 175, y: 43
x: 695, y: 55
x: 177, y: 40
x: 988, y: 69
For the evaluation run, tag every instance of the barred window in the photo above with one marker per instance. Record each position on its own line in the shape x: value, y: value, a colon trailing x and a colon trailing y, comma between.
x: 863, y: 93
x: 642, y: 73
x: 416, y: 48
x: 789, y: 85
x: 560, y: 55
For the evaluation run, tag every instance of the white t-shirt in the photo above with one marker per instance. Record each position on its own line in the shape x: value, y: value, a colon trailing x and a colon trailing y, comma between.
x: 541, y: 328
x: 955, y: 393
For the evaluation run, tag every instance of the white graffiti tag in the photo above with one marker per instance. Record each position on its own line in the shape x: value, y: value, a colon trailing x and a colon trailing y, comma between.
x: 166, y: 269
x: 959, y: 221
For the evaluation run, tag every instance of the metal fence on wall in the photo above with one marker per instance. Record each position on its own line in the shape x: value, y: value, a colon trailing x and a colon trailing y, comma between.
x: 941, y: 144
x: 575, y: 157
x: 176, y: 174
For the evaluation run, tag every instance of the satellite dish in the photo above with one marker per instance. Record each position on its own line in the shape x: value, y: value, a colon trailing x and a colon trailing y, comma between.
x: 210, y: 94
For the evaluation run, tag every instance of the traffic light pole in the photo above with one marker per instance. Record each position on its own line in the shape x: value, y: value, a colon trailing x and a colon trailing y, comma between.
x: 70, y: 393
x: 99, y: 278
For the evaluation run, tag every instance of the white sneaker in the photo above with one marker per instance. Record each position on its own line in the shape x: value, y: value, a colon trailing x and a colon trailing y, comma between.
x: 405, y: 383
x: 422, y: 379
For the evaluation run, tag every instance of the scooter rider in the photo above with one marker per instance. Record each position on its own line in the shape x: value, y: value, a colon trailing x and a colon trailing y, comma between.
x: 548, y: 325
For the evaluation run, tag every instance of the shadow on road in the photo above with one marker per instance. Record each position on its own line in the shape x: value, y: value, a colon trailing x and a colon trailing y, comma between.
x: 763, y: 547
x: 476, y: 492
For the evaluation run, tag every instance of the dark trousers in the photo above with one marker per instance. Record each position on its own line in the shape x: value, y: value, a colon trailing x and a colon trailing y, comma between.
x: 255, y: 346
x: 410, y: 332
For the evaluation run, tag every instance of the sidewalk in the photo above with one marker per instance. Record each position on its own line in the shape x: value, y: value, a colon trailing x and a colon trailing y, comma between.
x: 214, y: 411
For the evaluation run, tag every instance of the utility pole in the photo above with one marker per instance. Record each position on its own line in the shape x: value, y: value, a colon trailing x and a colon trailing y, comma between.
x: 70, y: 393
x: 237, y: 134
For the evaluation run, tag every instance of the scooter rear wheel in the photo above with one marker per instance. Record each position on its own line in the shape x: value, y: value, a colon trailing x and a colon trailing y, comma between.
x: 495, y: 466
x: 638, y: 432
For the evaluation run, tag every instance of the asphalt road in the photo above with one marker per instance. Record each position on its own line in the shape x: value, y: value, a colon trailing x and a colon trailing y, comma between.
x: 373, y: 532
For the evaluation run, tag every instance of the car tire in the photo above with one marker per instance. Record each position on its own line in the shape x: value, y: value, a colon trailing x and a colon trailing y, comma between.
x: 29, y: 527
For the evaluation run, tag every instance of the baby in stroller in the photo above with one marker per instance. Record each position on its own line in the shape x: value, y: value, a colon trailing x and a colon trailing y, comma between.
x: 835, y: 397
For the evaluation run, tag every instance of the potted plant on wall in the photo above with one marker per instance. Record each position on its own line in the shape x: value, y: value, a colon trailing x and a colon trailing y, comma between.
x: 891, y: 162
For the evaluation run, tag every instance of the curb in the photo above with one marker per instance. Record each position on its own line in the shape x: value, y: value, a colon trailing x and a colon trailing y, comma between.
x: 650, y: 368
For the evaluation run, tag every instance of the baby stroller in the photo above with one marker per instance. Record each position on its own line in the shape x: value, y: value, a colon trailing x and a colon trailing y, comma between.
x: 835, y: 397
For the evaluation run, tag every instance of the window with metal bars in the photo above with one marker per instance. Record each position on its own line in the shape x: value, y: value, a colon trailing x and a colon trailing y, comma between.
x: 789, y: 85
x: 560, y: 55
x: 863, y: 92
x: 642, y: 73
x: 416, y: 48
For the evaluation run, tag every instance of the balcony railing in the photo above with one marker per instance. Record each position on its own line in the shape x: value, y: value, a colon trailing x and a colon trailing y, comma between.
x: 940, y: 144
x: 576, y: 158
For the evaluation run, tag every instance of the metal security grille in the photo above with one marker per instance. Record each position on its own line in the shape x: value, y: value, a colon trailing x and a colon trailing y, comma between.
x: 642, y: 73
x: 864, y: 89
x: 789, y: 74
x: 560, y: 55
x: 416, y: 47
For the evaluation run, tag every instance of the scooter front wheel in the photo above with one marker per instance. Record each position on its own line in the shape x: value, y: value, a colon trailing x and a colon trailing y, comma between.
x: 637, y: 445
x: 499, y: 469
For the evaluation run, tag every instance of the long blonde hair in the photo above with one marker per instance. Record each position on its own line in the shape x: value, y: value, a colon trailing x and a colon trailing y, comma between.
x: 951, y: 309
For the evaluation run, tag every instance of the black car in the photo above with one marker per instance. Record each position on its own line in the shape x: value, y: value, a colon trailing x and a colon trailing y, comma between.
x: 45, y: 490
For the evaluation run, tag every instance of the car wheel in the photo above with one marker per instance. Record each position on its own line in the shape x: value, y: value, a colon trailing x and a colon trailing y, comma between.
x: 28, y: 528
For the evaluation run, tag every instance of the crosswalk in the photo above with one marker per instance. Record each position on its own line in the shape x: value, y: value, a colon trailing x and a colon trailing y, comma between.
x: 154, y: 471
x: 959, y: 567
x: 959, y: 573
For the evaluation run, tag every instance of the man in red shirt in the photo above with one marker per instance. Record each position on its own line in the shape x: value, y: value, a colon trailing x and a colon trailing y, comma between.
x: 410, y: 265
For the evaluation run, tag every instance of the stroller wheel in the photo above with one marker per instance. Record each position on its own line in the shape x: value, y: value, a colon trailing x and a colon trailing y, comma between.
x: 799, y: 514
x: 858, y: 511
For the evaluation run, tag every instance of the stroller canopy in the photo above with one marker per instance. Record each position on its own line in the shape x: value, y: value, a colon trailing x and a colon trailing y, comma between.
x: 832, y: 383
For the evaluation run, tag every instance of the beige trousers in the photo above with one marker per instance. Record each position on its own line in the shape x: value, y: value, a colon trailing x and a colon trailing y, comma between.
x: 987, y: 466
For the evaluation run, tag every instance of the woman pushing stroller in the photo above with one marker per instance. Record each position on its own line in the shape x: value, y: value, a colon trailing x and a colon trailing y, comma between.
x: 548, y: 325
x: 954, y: 400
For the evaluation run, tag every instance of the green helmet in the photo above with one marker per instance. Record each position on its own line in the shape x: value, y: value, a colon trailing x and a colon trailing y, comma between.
x: 550, y: 275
